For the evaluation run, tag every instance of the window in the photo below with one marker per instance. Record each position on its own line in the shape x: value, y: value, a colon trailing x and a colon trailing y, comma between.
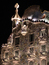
x: 6, y: 55
x: 16, y: 41
x: 25, y: 23
x: 43, y: 62
x: 46, y: 31
x: 31, y: 37
x: 31, y: 50
x: 42, y: 32
x: 16, y: 53
x: 43, y: 47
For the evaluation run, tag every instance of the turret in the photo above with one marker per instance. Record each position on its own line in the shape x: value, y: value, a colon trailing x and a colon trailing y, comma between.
x: 16, y: 19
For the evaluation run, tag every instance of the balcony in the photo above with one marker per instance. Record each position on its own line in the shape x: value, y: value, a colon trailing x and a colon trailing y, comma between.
x: 44, y: 53
x: 16, y: 58
x: 5, y: 60
x: 42, y: 42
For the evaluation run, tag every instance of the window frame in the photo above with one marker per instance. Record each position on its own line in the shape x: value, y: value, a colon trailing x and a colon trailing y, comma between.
x: 15, y: 40
x: 18, y: 56
x: 42, y: 32
x: 5, y: 55
x: 15, y: 52
x: 42, y: 49
x: 29, y: 38
x: 33, y: 49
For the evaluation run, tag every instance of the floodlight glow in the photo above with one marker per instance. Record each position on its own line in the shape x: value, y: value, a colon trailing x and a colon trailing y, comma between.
x: 42, y: 19
x: 17, y: 22
x: 45, y: 20
x: 30, y: 17
x: 18, y: 6
x: 34, y: 19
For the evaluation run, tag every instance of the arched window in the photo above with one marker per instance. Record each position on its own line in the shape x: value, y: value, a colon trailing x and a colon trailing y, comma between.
x: 43, y: 62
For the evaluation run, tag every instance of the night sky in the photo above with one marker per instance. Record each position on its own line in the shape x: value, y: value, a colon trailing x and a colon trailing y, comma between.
x: 7, y: 10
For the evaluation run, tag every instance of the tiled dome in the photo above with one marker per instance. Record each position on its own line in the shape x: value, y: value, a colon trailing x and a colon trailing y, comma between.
x: 33, y: 11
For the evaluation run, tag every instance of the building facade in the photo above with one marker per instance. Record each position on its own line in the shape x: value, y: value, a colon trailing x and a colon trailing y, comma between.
x: 29, y: 42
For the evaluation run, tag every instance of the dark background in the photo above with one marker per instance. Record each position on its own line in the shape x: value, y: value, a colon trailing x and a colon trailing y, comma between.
x: 7, y: 10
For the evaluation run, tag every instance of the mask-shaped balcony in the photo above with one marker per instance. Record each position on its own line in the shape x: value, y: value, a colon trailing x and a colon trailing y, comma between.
x: 24, y: 30
x: 44, y: 53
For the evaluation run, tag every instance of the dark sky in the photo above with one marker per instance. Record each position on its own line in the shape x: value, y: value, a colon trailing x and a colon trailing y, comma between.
x: 7, y: 10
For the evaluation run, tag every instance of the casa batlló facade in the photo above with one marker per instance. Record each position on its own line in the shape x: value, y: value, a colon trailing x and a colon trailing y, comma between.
x: 28, y: 44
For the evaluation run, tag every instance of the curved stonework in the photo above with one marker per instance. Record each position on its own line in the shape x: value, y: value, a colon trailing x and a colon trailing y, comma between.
x: 29, y: 42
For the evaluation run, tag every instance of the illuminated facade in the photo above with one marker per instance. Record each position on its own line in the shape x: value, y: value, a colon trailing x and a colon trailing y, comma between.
x: 29, y: 42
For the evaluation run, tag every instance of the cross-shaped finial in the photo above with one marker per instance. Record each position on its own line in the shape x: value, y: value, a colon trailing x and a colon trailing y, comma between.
x: 16, y: 6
